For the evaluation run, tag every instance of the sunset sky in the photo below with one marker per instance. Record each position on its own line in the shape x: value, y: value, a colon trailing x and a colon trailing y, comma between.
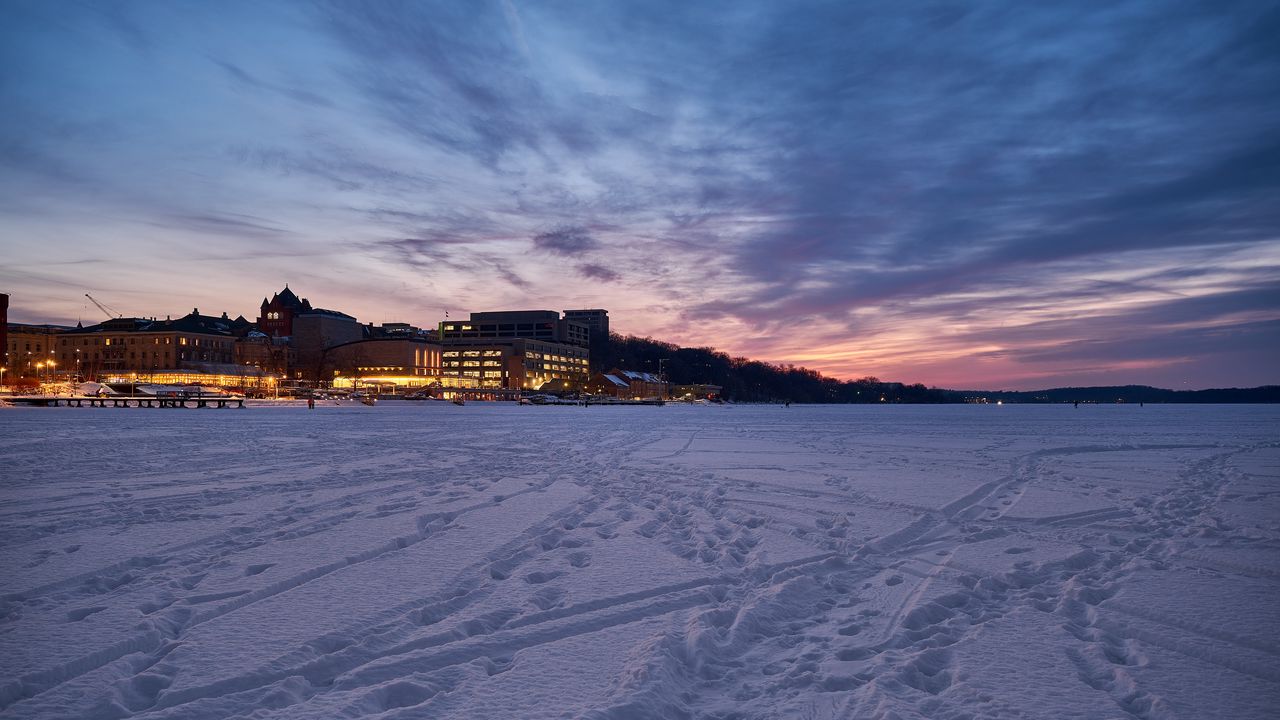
x: 970, y: 195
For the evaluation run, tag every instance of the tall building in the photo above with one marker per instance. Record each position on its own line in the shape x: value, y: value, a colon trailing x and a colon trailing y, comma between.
x: 276, y: 315
x: 597, y: 320
x: 597, y: 323
x: 516, y: 349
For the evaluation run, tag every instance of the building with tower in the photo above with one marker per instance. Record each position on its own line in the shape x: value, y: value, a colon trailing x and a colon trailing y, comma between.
x: 276, y: 316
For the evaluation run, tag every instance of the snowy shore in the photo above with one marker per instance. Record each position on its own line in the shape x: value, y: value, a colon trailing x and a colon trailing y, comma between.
x: 496, y: 561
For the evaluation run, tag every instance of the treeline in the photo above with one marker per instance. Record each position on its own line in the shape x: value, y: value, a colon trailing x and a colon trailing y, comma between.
x: 747, y: 380
x: 1139, y: 394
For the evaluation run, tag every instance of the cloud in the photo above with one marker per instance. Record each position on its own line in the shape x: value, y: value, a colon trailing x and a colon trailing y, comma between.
x: 567, y: 241
x: 598, y: 272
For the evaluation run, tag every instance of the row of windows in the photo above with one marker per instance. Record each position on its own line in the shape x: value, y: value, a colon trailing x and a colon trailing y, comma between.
x: 473, y: 353
x: 557, y: 358
x: 504, y: 327
x: 198, y: 342
x: 67, y: 357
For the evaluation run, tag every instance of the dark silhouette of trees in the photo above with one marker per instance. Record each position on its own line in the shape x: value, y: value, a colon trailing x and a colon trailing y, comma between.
x: 747, y: 380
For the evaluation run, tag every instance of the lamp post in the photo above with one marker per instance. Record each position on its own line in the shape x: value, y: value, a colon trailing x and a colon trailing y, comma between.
x: 39, y: 376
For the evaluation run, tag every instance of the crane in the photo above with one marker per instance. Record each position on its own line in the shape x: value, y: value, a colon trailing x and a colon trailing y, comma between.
x: 111, y: 312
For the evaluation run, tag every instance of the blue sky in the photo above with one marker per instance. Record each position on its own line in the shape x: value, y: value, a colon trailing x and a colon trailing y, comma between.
x: 963, y: 194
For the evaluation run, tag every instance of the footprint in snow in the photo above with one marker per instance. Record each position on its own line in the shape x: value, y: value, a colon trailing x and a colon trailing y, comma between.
x: 81, y: 613
x: 539, y: 577
x: 893, y: 580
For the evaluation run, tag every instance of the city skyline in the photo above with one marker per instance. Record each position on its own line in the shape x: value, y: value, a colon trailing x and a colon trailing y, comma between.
x: 968, y: 197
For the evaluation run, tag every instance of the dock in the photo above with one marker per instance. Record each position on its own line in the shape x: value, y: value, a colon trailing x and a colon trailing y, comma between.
x: 126, y: 401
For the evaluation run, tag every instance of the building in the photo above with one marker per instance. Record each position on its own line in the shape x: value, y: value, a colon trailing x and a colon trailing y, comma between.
x: 29, y: 349
x: 516, y: 364
x: 275, y: 318
x: 597, y: 321
x: 191, y: 345
x: 544, y: 325
x: 516, y: 349
x: 608, y: 384
x: 314, y: 333
x: 397, y: 330
x: 399, y: 362
x: 697, y: 391
x: 271, y: 355
x: 640, y: 385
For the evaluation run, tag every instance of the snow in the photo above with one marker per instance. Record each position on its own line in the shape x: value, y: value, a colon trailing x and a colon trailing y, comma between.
x: 425, y: 560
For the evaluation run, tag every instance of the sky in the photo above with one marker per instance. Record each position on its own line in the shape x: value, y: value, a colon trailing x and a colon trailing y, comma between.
x: 1000, y: 195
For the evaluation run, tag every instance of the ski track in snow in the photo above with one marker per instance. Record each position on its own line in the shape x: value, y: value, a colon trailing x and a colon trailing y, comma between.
x: 679, y: 562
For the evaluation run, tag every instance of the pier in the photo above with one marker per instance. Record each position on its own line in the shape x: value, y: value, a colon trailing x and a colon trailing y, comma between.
x: 127, y: 402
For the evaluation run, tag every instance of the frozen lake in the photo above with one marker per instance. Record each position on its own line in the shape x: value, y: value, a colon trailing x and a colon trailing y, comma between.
x: 496, y: 561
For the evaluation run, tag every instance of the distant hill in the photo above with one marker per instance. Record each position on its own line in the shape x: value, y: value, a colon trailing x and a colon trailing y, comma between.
x: 747, y: 380
x: 1139, y: 393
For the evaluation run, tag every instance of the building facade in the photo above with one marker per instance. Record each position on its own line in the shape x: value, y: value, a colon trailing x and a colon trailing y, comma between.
x: 29, y: 349
x: 543, y: 325
x: 517, y: 364
x: 193, y: 343
x: 408, y: 362
x: 314, y: 333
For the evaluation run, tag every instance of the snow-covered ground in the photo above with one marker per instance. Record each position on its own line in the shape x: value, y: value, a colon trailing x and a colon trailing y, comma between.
x: 496, y: 561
